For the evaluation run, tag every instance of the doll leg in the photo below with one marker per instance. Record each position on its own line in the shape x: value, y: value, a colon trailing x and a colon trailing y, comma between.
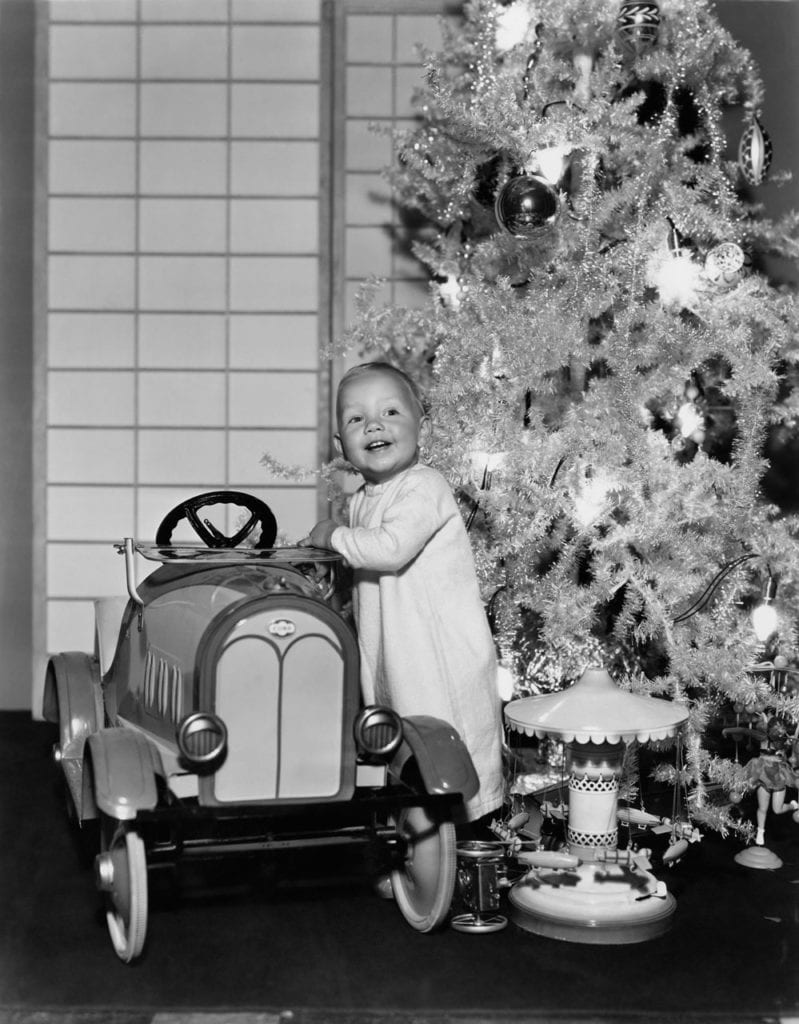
x: 778, y: 804
x: 763, y: 799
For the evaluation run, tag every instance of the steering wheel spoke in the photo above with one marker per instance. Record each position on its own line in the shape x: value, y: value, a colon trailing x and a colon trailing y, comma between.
x: 190, y: 509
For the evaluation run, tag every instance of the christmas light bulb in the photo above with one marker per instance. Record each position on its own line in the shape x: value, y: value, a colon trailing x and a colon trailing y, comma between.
x: 483, y: 465
x: 764, y: 621
x: 592, y: 500
x: 677, y: 280
x: 512, y: 25
x: 551, y: 163
x: 690, y: 420
x: 764, y: 617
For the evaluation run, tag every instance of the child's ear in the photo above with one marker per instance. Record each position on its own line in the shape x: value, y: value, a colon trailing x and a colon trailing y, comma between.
x: 337, y: 444
x: 425, y: 430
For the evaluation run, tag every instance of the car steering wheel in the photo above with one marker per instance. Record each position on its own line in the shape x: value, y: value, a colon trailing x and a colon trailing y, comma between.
x: 260, y: 513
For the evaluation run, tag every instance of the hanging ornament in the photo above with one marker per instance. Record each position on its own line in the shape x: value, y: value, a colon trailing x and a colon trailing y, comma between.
x: 754, y: 153
x: 724, y: 265
x: 527, y: 205
x: 637, y: 26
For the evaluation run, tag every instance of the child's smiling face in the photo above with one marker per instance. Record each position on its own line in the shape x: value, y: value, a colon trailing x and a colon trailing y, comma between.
x: 380, y: 425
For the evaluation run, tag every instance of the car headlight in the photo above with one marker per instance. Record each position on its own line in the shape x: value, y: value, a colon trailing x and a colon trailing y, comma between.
x: 202, y: 739
x: 378, y: 732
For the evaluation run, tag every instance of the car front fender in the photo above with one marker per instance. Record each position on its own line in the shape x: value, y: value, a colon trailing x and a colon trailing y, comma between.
x: 73, y: 699
x: 124, y: 766
x: 444, y: 763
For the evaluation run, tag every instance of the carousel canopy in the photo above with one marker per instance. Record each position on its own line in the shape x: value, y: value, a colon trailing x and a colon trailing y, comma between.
x: 595, y: 710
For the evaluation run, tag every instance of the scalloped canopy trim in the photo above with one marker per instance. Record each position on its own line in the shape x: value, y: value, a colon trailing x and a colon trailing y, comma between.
x: 598, y: 735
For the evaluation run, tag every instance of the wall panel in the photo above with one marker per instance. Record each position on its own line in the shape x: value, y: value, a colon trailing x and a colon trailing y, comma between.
x: 179, y: 305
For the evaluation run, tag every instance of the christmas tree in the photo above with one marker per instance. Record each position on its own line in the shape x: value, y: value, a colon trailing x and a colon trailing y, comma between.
x: 604, y: 355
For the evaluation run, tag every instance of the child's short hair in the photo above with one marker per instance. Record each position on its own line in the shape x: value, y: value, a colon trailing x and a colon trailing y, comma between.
x: 382, y: 367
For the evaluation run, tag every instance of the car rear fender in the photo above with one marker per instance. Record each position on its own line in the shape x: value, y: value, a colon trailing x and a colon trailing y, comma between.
x: 444, y: 762
x: 124, y: 766
x: 73, y: 699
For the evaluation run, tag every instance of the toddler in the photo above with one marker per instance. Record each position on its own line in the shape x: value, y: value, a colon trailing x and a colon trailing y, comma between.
x: 426, y: 648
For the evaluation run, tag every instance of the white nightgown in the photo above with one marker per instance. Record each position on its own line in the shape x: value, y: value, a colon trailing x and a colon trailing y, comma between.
x: 426, y: 648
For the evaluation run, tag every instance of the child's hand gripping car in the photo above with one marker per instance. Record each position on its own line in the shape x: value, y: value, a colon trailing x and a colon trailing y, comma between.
x: 226, y: 718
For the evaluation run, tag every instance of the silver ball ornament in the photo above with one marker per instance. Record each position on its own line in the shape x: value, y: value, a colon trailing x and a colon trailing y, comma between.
x: 527, y: 205
x: 724, y: 265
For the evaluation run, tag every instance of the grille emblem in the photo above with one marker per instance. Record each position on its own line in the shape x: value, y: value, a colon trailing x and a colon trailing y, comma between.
x: 282, y: 627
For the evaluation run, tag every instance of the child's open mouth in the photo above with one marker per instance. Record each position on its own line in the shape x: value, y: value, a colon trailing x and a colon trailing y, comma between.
x: 375, y: 445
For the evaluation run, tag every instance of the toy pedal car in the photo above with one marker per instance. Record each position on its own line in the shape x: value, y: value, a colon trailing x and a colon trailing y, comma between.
x: 225, y: 717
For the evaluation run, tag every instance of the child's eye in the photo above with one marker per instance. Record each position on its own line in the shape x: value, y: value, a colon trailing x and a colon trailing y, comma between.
x: 355, y: 419
x: 392, y: 412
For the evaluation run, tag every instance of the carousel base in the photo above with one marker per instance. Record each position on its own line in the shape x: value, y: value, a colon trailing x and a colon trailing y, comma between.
x: 759, y: 857
x: 599, y: 903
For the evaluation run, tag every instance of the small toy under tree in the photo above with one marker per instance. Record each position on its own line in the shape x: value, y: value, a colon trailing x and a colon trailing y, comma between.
x: 605, y: 356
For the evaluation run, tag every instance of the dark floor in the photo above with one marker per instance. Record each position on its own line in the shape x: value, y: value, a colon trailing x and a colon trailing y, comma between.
x: 318, y: 946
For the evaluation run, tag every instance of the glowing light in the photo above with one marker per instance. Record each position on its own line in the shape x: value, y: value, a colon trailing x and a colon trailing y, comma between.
x: 677, y: 279
x: 483, y: 461
x: 593, y: 501
x: 551, y: 163
x: 765, y: 621
x: 512, y: 25
x: 483, y: 466
x: 691, y: 421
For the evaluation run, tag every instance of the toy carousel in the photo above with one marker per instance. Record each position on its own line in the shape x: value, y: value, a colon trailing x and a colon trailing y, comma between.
x: 591, y: 891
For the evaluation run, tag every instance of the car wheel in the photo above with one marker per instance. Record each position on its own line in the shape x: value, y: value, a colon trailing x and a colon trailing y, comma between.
x: 121, y: 870
x: 424, y: 882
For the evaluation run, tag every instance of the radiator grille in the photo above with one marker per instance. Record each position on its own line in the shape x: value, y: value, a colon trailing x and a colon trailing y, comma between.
x: 282, y: 700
